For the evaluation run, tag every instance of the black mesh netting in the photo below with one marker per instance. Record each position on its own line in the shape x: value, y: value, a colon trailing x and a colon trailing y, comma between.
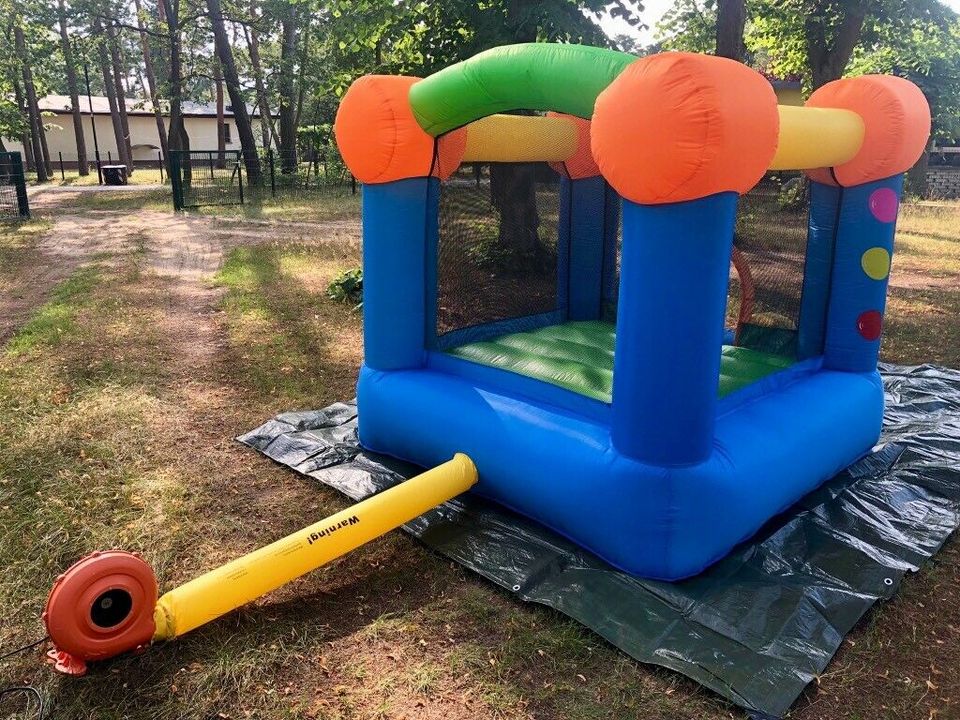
x: 611, y: 257
x: 498, y: 244
x: 766, y: 275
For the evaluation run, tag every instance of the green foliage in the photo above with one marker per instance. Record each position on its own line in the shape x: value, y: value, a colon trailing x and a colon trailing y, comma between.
x: 689, y: 26
x: 420, y: 37
x: 918, y: 40
x: 347, y: 287
x: 927, y: 53
x: 792, y: 196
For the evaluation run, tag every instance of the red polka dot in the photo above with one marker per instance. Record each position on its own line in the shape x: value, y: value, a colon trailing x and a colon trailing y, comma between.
x: 870, y: 324
x: 883, y: 204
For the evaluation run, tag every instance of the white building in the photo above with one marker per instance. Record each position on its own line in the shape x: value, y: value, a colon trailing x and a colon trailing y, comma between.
x: 200, y: 120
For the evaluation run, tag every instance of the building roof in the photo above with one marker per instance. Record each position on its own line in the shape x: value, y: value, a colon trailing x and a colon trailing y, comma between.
x: 101, y: 106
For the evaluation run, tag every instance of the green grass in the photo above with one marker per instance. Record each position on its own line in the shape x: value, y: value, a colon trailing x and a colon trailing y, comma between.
x: 289, y: 206
x: 142, y: 198
x: 18, y: 242
x: 56, y: 320
x: 299, y: 206
x: 72, y: 178
x: 280, y: 322
x: 923, y: 304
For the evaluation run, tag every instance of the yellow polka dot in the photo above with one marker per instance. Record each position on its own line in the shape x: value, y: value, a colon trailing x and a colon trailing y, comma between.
x: 876, y: 263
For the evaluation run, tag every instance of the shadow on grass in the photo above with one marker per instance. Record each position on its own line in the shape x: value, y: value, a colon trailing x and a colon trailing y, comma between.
x: 288, y: 341
x: 922, y: 326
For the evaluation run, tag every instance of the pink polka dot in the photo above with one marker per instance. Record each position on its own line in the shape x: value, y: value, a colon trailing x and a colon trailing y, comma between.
x: 870, y: 324
x: 883, y: 204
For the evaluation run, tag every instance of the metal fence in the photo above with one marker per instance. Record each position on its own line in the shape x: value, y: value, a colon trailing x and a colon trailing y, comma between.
x: 312, y: 170
x: 206, y: 177
x: 13, y: 187
x: 210, y: 177
x: 64, y: 166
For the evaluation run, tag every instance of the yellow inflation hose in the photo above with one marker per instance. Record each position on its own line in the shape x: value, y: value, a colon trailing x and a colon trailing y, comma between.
x: 247, y: 578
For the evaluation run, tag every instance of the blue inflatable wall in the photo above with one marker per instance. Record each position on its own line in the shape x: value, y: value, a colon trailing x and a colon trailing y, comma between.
x: 668, y: 478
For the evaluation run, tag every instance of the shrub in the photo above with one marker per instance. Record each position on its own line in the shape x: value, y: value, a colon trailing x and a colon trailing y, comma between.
x: 793, y: 195
x: 347, y: 287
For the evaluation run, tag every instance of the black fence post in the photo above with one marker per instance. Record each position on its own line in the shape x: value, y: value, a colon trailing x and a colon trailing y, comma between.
x: 99, y: 168
x: 240, y: 176
x: 20, y: 182
x: 353, y: 184
x: 63, y: 175
x: 273, y: 174
x: 109, y: 157
x: 160, y: 164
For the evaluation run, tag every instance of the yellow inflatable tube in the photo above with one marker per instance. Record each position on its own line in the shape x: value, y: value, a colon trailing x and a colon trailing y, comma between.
x: 247, y: 578
x: 520, y: 138
x: 816, y: 137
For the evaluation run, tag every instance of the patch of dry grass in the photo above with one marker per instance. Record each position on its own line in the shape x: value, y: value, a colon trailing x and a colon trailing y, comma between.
x: 928, y: 243
x: 923, y: 306
x: 17, y: 242
x: 287, y: 339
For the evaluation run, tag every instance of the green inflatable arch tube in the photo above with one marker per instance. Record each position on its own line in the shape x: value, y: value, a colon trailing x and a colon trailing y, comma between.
x: 529, y: 76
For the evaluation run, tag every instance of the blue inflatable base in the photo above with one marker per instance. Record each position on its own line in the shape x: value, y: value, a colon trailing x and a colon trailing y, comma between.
x: 756, y: 627
x: 774, y: 442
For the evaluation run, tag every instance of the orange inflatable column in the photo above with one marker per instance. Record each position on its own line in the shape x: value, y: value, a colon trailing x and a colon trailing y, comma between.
x: 679, y: 136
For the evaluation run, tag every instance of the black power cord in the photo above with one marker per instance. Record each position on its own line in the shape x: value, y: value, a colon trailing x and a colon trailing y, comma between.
x: 25, y: 647
x: 27, y: 690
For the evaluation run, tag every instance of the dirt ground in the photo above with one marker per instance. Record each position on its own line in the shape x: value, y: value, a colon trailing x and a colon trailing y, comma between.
x: 391, y: 631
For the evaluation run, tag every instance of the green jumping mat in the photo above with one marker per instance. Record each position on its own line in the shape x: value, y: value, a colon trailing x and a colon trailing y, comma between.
x: 578, y: 356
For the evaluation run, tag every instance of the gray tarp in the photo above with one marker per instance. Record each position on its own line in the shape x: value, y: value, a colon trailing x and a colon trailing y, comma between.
x: 757, y: 626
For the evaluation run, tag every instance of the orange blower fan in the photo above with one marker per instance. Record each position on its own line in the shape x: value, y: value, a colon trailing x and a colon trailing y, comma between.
x: 106, y: 604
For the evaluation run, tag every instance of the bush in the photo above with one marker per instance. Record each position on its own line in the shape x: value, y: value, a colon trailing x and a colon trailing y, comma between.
x: 793, y: 195
x: 347, y: 287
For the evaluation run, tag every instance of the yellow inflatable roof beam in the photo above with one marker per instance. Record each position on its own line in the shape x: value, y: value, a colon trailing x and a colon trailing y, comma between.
x: 257, y: 573
x: 520, y: 138
x: 816, y: 137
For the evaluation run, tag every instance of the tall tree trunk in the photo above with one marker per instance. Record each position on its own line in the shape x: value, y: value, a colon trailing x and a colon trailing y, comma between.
x: 151, y: 79
x: 113, y: 36
x: 829, y: 52
x: 248, y: 145
x: 44, y: 149
x: 221, y: 125
x: 82, y: 167
x: 301, y: 85
x: 26, y: 140
x: 513, y: 188
x: 288, y: 108
x: 917, y: 175
x: 267, y: 130
x: 178, y: 139
x: 111, y: 90
x: 731, y: 18
x: 37, y: 140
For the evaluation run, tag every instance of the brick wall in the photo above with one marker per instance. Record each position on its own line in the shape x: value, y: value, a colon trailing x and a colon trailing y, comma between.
x: 944, y: 182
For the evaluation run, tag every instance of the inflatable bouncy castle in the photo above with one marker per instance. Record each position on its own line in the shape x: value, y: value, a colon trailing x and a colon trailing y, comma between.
x: 556, y: 283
